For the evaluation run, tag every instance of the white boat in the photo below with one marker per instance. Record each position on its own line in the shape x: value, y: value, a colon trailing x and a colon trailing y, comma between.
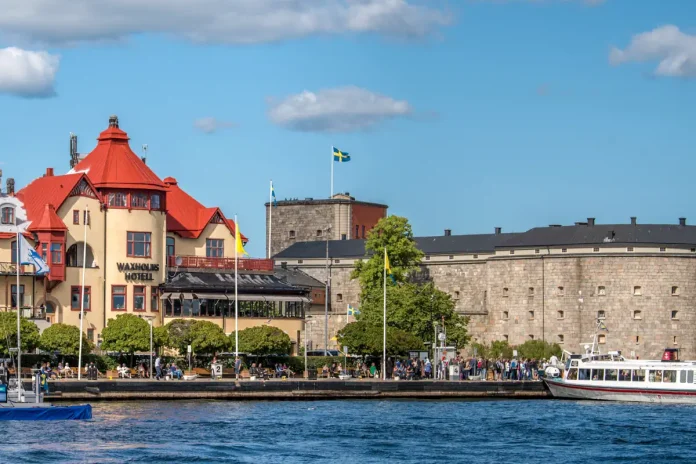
x: 610, y: 377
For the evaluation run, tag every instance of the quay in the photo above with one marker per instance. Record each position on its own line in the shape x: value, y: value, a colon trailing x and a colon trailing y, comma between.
x: 72, y: 390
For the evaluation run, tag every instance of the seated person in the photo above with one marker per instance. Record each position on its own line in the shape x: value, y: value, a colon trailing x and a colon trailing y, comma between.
x: 175, y: 371
x: 124, y: 372
x: 141, y: 371
x: 325, y: 371
x: 66, y: 371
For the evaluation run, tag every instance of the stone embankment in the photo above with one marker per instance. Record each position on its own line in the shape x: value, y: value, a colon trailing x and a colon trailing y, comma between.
x: 74, y: 390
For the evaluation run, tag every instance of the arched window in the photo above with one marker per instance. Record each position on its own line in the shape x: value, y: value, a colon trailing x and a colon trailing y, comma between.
x: 171, y: 249
x: 73, y: 257
x: 7, y: 215
x: 14, y: 252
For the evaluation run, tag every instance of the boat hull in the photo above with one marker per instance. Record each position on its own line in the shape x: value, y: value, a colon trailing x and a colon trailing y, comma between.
x: 561, y: 389
x: 41, y: 412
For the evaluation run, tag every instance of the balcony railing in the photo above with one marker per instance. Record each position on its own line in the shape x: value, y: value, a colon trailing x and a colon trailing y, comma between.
x: 11, y: 268
x: 200, y: 262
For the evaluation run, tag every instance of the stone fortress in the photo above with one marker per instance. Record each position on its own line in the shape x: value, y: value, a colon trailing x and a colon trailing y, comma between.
x: 552, y: 283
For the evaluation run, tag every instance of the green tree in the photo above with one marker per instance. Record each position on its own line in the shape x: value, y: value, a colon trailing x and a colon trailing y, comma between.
x: 538, y: 349
x: 262, y: 340
x: 179, y: 334
x: 127, y: 333
x: 160, y: 337
x: 412, y: 306
x: 500, y: 349
x: 363, y: 338
x: 64, y: 339
x: 8, y: 333
x: 208, y: 338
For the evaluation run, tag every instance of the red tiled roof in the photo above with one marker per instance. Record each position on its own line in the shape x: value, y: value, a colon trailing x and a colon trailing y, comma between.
x: 186, y: 216
x: 48, y: 220
x: 46, y: 190
x: 112, y: 163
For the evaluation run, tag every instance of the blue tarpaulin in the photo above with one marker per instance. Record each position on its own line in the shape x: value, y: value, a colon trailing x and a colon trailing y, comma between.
x: 81, y: 412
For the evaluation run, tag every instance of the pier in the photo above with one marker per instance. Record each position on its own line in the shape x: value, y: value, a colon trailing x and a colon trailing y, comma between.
x: 74, y: 390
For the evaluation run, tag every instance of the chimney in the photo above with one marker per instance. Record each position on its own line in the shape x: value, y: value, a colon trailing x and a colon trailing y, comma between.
x: 448, y: 232
x: 682, y: 221
x: 497, y: 230
x: 633, y: 220
x: 143, y: 159
x: 590, y: 222
x: 10, y: 186
x: 74, y: 157
x: 113, y: 121
x: 49, y: 172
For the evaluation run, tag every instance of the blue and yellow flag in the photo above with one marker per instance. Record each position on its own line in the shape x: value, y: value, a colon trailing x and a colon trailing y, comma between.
x: 352, y: 311
x: 340, y: 156
x: 275, y: 202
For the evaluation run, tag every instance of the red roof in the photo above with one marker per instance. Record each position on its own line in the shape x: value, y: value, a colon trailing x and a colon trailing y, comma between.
x: 187, y: 217
x: 112, y: 163
x: 50, y: 189
x: 48, y: 220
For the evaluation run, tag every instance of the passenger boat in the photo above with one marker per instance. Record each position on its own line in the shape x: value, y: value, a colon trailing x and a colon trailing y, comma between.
x: 610, y: 377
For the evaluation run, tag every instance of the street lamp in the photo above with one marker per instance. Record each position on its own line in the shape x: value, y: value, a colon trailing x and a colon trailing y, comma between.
x: 306, y: 371
x: 149, y: 321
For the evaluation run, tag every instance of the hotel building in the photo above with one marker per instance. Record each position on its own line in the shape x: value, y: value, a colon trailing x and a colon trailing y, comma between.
x: 151, y: 249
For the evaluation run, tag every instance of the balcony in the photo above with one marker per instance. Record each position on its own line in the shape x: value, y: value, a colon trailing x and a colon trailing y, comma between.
x: 201, y: 262
x: 11, y: 269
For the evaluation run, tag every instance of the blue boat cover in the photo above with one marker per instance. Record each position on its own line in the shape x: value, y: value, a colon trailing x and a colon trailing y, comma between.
x: 81, y: 412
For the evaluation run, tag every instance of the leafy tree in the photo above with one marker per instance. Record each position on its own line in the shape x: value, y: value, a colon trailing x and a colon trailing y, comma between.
x: 500, y: 349
x: 127, y: 333
x: 263, y: 340
x: 207, y: 337
x: 364, y: 338
x: 412, y: 306
x: 64, y: 339
x: 160, y: 337
x: 8, y: 333
x: 538, y: 349
x: 179, y: 334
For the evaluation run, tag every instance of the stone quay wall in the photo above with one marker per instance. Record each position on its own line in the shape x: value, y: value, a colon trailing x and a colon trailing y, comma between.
x: 647, y: 302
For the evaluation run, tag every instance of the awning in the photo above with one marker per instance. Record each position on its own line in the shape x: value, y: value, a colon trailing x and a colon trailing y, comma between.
x: 221, y: 296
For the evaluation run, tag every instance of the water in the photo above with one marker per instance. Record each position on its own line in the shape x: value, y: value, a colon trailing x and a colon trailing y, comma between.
x: 521, y: 431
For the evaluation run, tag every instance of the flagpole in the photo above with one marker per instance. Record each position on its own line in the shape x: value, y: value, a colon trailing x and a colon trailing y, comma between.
x: 332, y: 168
x: 384, y: 342
x: 270, y: 219
x: 82, y: 292
x: 236, y: 302
x: 19, y: 338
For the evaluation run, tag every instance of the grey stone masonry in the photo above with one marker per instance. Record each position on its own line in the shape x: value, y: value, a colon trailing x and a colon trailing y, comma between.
x: 647, y: 302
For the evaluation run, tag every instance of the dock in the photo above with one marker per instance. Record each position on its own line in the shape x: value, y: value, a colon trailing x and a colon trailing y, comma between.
x: 119, y: 390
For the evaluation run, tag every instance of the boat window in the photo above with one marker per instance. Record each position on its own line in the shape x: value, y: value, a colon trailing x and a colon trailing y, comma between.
x: 574, y: 364
x: 573, y: 374
x: 567, y: 365
x: 610, y: 374
x: 655, y: 376
x: 638, y: 375
x: 690, y: 377
x: 597, y: 374
x: 624, y: 375
x: 682, y: 376
x: 584, y: 374
x: 670, y: 376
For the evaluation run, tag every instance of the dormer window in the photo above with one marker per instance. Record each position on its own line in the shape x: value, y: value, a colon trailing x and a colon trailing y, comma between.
x: 8, y: 215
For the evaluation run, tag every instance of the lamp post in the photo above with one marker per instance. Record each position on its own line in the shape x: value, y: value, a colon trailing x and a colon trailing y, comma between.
x: 306, y: 370
x: 149, y: 321
x: 327, y: 231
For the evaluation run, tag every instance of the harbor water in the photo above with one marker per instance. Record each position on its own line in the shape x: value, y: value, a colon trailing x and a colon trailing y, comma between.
x: 410, y: 431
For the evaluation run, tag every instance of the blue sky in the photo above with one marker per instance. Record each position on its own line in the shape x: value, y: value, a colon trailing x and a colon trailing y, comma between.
x: 463, y: 115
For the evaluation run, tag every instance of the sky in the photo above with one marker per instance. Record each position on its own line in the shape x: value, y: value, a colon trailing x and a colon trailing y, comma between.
x: 458, y: 114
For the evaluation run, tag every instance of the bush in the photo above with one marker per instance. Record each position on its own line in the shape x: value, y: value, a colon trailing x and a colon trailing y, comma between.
x: 263, y: 340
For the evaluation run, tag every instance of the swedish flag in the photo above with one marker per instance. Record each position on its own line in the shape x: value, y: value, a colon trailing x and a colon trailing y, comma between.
x: 275, y: 202
x: 340, y: 156
x: 352, y: 311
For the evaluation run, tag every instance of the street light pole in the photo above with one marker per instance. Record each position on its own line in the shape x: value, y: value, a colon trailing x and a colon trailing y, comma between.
x: 326, y: 294
x: 150, y: 322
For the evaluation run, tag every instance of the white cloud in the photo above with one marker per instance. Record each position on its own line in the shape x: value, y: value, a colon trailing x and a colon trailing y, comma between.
x: 586, y: 2
x: 343, y: 109
x: 26, y: 73
x: 213, y: 21
x: 209, y: 125
x: 675, y: 51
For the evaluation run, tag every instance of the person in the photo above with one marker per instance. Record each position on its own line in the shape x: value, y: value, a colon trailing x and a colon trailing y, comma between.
x: 554, y: 360
x: 390, y: 367
x: 123, y: 371
x: 44, y: 378
x: 158, y: 367
x: 141, y: 371
x: 428, y: 369
x: 237, y: 366
x: 373, y: 370
x: 175, y: 371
